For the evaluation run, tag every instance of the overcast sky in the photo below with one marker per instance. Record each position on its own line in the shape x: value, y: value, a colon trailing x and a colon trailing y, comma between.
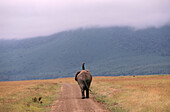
x: 29, y: 18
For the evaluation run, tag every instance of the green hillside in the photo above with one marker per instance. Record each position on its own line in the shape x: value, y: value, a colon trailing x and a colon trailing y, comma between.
x: 106, y: 51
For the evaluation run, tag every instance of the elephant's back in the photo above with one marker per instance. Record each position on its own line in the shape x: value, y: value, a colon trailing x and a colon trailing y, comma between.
x: 85, y: 74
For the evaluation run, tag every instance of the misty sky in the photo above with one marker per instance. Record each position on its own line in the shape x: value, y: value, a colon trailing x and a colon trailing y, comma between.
x: 30, y: 18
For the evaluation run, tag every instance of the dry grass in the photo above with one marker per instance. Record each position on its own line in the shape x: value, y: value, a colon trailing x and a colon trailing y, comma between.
x: 134, y: 94
x: 16, y: 96
x: 120, y: 94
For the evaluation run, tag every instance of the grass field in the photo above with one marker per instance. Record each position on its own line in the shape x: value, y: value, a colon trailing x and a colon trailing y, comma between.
x: 133, y: 94
x: 119, y: 94
x: 18, y: 96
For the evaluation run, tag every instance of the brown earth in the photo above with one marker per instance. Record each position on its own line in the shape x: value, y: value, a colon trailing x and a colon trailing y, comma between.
x: 70, y: 101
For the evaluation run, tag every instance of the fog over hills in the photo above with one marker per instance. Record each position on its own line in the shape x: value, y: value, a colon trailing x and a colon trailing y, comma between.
x: 107, y: 51
x: 23, y: 19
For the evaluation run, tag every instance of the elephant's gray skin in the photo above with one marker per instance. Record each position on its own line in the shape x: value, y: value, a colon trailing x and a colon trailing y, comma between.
x: 84, y: 79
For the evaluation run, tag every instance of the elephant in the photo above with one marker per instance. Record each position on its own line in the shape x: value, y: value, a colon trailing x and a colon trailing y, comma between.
x: 84, y: 79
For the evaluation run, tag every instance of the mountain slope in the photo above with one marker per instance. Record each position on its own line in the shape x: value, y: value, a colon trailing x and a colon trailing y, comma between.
x: 106, y: 51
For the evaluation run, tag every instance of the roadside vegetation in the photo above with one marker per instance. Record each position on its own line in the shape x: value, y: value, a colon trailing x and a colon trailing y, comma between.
x: 28, y: 96
x: 150, y: 93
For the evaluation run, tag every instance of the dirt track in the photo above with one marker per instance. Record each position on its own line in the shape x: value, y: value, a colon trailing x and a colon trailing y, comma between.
x: 70, y: 101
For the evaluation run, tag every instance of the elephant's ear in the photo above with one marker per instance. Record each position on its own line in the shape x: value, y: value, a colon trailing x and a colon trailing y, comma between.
x: 76, y: 75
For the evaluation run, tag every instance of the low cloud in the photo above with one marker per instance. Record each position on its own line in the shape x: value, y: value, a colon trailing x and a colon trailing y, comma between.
x: 23, y: 19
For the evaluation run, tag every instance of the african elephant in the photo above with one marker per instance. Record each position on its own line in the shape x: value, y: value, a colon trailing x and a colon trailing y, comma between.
x: 84, y: 79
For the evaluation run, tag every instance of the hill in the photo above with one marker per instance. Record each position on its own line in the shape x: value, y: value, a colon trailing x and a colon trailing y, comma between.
x: 106, y: 51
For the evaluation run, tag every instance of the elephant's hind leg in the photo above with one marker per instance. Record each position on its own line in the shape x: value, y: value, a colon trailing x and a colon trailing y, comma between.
x: 87, y: 93
x: 82, y: 91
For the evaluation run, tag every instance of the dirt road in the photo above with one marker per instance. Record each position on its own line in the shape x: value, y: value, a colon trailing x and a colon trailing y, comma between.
x: 70, y: 101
